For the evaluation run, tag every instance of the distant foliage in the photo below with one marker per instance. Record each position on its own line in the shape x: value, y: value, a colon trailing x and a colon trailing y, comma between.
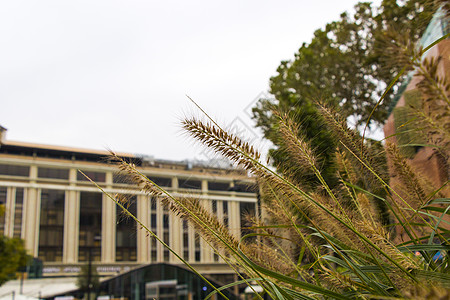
x: 347, y: 66
x: 12, y: 257
x: 83, y: 278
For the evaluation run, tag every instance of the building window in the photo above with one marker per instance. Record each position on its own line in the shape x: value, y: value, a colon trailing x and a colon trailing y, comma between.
x: 161, y: 181
x: 154, y: 222
x: 51, y: 229
x: 153, y: 215
x: 185, y: 240
x: 3, y: 197
x: 119, y: 178
x: 14, y: 170
x: 153, y: 228
x: 154, y: 242
x: 53, y: 173
x: 126, y: 232
x: 94, y: 176
x: 166, y: 221
x: 18, y: 210
x: 218, y: 186
x: 244, y: 188
x: 214, y: 206
x: 166, y: 232
x: 90, y: 226
x: 197, y: 247
x: 190, y: 184
x: 247, y: 209
x: 166, y: 254
x: 225, y: 212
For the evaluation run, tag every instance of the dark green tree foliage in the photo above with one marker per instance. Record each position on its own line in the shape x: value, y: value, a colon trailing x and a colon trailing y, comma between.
x: 12, y: 257
x: 83, y: 278
x: 344, y: 67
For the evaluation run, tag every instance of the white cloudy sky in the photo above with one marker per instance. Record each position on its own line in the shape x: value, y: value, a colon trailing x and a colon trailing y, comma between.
x: 114, y: 74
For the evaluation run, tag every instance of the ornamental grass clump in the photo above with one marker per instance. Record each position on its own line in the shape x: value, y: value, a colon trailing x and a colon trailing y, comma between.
x: 329, y: 242
x: 337, y: 241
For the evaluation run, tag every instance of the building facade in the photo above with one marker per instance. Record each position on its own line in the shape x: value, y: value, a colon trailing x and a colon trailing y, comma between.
x: 66, y: 221
x: 401, y: 129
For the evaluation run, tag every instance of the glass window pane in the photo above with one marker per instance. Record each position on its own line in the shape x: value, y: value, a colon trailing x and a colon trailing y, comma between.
x: 120, y: 178
x: 90, y: 226
x: 14, y: 170
x: 161, y: 181
x: 126, y: 232
x: 18, y: 212
x: 218, y: 186
x: 95, y: 176
x: 246, y: 209
x: 244, y: 188
x: 53, y: 173
x: 3, y: 194
x: 214, y: 206
x: 51, y: 227
x: 189, y: 184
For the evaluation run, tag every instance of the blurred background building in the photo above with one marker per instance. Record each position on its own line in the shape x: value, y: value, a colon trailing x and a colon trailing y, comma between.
x: 66, y: 221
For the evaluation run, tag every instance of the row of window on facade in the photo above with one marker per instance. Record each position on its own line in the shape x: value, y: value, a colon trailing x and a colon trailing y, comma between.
x: 100, y: 177
x: 51, y: 227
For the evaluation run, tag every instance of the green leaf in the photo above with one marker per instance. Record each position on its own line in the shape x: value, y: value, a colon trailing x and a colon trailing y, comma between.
x: 439, y: 200
x: 424, y: 247
x: 231, y: 285
x: 430, y: 241
x: 296, y: 294
x: 292, y: 281
x: 438, y: 209
x: 443, y: 278
x: 279, y: 292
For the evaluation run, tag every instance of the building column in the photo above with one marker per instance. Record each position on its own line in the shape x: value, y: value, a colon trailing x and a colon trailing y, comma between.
x: 71, y: 226
x: 234, y: 218
x: 220, y: 211
x: 71, y: 221
x: 220, y: 217
x: 31, y: 215
x: 159, y: 230
x: 175, y: 230
x: 204, y: 186
x: 9, y: 211
x: 31, y: 220
x: 206, y: 251
x: 143, y: 238
x: 176, y: 237
x: 108, y: 230
x: 108, y: 233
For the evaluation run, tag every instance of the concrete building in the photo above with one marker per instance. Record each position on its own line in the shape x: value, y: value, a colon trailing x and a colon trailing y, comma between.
x: 64, y: 219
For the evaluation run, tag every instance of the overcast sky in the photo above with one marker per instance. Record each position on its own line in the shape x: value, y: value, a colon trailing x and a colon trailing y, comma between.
x: 114, y: 74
